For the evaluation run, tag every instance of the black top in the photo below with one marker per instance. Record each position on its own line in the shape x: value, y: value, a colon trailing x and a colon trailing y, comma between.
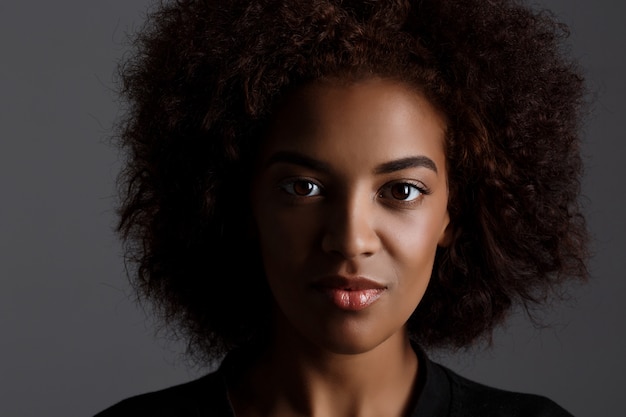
x: 442, y: 393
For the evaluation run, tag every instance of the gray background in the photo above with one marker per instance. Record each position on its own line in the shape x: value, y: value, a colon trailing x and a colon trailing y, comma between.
x: 71, y: 339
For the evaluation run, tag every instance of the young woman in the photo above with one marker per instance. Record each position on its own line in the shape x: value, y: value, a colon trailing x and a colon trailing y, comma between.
x: 322, y: 190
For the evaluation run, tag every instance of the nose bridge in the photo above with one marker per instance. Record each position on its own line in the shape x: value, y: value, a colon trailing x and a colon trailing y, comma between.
x: 351, y: 226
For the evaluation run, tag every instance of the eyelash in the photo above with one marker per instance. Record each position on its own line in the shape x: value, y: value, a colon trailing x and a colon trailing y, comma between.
x: 288, y: 186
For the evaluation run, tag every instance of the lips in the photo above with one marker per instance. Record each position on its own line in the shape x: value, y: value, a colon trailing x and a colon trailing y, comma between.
x: 349, y: 293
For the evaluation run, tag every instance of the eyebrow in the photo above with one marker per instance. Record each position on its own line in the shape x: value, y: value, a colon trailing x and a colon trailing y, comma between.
x: 404, y: 163
x: 296, y: 158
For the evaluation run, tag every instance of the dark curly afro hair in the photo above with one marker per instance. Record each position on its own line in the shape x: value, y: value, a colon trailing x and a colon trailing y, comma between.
x: 201, y: 86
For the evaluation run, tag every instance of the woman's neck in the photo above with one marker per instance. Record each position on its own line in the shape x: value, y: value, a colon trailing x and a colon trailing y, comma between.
x: 294, y: 377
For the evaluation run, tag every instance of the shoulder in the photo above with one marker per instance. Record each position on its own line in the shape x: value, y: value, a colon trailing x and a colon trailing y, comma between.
x: 471, y: 398
x: 206, y: 396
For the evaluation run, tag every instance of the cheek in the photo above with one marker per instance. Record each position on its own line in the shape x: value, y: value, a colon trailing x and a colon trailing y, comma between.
x: 412, y: 242
x: 286, y: 237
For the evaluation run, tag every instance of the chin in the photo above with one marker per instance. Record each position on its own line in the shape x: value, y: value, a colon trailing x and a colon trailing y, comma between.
x: 352, y: 337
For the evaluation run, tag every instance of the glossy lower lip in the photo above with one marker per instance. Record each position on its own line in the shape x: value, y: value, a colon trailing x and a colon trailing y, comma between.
x: 350, y: 294
x: 352, y: 300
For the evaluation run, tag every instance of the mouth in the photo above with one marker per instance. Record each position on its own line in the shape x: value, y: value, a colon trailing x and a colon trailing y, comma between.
x: 350, y: 293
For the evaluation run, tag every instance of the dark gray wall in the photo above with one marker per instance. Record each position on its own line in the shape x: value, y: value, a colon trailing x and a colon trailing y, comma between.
x: 71, y: 339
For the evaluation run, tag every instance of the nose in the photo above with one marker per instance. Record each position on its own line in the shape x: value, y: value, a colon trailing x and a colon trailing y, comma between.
x: 350, y: 229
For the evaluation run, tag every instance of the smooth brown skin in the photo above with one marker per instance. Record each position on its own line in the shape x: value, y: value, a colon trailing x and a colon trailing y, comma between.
x: 328, y: 201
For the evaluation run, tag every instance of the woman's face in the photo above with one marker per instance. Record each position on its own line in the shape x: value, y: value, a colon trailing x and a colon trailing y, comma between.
x: 350, y: 202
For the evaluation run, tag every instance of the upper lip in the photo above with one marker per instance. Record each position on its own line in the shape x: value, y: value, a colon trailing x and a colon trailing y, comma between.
x: 347, y: 283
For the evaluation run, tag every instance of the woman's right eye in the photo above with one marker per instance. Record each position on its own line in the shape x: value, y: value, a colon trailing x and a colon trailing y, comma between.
x: 301, y: 188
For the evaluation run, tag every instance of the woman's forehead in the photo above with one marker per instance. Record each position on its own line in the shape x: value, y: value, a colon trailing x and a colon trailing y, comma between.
x: 374, y: 121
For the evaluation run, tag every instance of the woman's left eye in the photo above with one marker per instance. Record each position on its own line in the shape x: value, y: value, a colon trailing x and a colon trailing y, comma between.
x: 301, y: 188
x: 402, y: 191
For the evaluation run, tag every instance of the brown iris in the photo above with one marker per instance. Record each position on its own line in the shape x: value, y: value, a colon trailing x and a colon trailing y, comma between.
x: 401, y: 191
x: 303, y: 188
